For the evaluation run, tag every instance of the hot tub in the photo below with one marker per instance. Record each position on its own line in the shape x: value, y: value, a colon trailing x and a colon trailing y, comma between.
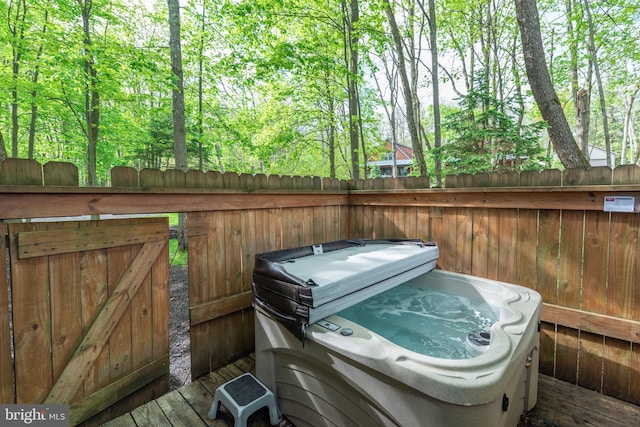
x: 385, y: 359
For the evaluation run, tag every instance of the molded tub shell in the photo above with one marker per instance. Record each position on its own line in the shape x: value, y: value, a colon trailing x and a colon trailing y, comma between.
x: 364, y: 379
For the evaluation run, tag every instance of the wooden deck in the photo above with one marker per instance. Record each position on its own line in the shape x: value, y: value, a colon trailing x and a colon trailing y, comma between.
x: 560, y: 404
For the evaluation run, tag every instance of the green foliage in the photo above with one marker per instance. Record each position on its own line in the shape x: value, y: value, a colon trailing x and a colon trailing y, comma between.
x: 484, y: 136
x: 271, y: 78
x: 177, y: 256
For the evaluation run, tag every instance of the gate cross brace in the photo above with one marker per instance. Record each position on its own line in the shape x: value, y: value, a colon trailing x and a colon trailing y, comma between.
x: 98, y: 334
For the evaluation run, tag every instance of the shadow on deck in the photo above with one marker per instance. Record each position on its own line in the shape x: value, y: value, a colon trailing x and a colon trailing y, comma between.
x: 559, y: 404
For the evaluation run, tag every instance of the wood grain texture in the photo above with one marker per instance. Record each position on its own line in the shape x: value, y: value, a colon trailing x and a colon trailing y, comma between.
x: 99, y: 333
x: 7, y: 394
x: 31, y: 317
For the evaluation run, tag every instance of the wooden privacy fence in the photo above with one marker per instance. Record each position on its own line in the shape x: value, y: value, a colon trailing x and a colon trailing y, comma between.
x: 544, y: 230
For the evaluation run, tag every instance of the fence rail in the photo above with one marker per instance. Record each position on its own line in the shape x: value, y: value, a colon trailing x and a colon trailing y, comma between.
x: 547, y: 231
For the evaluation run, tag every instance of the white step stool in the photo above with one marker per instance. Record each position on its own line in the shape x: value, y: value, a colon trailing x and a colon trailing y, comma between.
x: 243, y: 396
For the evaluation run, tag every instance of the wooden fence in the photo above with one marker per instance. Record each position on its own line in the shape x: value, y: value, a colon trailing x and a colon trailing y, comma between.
x: 544, y: 230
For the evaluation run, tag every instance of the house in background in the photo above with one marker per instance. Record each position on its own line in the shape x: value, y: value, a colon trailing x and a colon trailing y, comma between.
x: 598, y: 156
x: 383, y: 161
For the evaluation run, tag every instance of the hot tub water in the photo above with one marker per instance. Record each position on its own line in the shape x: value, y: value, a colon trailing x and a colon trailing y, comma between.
x: 432, y: 322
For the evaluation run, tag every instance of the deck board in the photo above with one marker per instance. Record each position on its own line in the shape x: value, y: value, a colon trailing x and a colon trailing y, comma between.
x: 563, y: 404
x: 199, y: 398
x: 560, y: 404
x: 179, y: 410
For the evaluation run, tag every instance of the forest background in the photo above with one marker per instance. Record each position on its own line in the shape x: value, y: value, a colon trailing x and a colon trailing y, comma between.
x: 299, y: 87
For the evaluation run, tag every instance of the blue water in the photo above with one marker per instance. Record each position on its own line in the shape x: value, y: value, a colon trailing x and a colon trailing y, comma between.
x: 427, y: 321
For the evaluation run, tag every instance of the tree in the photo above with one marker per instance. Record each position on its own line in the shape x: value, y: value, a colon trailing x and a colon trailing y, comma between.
x: 483, y: 136
x: 390, y: 105
x: 34, y: 91
x: 351, y: 15
x: 437, y: 137
x: 16, y: 20
x: 412, y: 121
x: 91, y: 94
x: 3, y: 151
x: 200, y: 60
x: 628, y: 129
x: 179, y: 134
x: 542, y: 88
x: 581, y: 96
x: 596, y: 68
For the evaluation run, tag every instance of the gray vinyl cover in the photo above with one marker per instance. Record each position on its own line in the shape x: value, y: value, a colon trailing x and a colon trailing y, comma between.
x: 304, y: 285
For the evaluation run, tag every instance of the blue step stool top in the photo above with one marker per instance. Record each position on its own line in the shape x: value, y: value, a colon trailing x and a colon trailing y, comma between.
x: 243, y: 396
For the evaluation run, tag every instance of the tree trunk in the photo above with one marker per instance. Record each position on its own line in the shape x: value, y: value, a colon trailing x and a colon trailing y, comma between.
x: 3, y: 151
x: 627, y: 133
x: 634, y: 143
x: 200, y: 91
x: 408, y: 95
x: 16, y: 22
x: 219, y: 157
x: 331, y: 128
x: 596, y: 68
x: 515, y: 69
x: 413, y: 53
x: 437, y: 138
x: 351, y: 40
x: 179, y: 135
x: 332, y: 150
x: 390, y: 107
x: 14, y: 109
x: 583, y: 120
x: 581, y: 104
x: 542, y: 88
x: 91, y: 94
x: 34, y: 92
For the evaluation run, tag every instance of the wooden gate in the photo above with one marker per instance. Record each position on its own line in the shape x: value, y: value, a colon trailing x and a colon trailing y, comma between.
x: 90, y: 305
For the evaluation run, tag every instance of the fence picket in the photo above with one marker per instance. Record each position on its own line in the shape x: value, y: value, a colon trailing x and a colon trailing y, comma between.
x: 6, y: 365
x: 507, y: 245
x: 33, y: 369
x: 195, y: 179
x: 15, y: 171
x: 594, y: 176
x: 547, y: 255
x: 566, y: 361
x: 61, y: 174
x: 493, y: 249
x: 174, y: 178
x: 151, y: 178
x: 626, y: 175
x: 570, y: 258
x: 480, y: 241
x: 124, y: 177
x: 526, y: 264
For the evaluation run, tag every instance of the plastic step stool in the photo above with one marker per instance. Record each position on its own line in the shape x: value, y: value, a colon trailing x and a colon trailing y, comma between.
x: 243, y: 396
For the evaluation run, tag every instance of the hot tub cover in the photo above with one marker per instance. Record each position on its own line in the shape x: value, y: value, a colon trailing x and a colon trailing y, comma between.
x: 303, y: 285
